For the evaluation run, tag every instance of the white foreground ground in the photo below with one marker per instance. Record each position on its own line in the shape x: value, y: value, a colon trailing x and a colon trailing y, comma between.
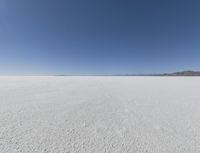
x: 99, y: 114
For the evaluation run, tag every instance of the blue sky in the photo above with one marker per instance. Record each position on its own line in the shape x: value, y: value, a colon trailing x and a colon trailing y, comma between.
x: 44, y: 37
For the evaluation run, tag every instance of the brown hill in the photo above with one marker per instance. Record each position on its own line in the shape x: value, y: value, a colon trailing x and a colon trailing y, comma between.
x: 184, y: 73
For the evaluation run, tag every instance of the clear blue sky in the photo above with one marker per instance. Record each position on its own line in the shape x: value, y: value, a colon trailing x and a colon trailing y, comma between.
x: 43, y: 37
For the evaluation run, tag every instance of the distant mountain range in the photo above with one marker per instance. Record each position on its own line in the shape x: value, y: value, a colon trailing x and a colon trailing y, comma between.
x: 181, y: 73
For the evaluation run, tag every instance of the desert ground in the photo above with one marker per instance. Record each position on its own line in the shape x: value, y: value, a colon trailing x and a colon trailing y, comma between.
x: 66, y: 114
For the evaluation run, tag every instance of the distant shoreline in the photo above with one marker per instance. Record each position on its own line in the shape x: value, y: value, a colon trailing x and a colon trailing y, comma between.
x: 174, y: 74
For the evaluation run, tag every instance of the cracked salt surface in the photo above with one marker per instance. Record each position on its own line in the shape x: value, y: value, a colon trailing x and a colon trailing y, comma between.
x: 99, y: 114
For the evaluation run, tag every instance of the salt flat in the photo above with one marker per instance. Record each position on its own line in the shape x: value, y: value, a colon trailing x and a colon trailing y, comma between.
x: 99, y: 114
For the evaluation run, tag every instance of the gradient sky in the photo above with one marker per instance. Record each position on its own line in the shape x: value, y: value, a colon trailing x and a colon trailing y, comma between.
x: 43, y: 37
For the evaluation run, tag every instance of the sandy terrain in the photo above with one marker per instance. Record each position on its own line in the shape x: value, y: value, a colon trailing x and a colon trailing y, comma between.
x: 99, y: 114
